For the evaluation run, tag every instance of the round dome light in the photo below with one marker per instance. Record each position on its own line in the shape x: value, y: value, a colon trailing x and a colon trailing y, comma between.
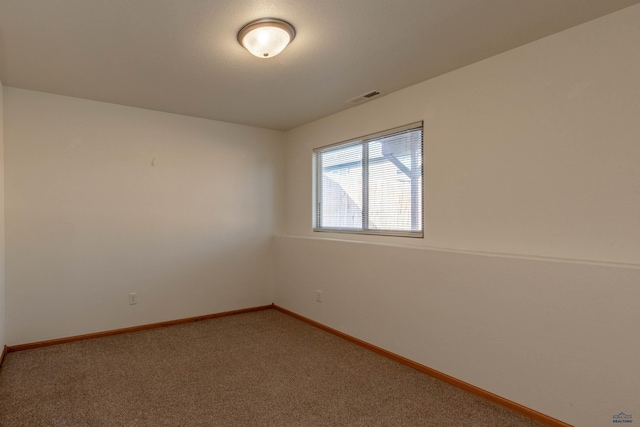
x: 265, y: 38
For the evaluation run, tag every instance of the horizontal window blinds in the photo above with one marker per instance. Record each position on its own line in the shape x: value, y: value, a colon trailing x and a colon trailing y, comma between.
x: 373, y: 184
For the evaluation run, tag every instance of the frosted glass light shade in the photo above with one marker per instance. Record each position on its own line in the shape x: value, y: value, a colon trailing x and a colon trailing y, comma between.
x: 265, y: 38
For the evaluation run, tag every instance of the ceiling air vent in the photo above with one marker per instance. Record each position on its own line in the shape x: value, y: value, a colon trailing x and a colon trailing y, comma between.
x: 365, y: 97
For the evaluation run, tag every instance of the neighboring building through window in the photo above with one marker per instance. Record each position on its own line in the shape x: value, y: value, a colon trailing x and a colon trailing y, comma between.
x: 372, y: 185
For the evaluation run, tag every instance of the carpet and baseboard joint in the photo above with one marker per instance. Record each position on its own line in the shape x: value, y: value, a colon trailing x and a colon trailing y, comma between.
x: 4, y: 353
x: 513, y: 406
x: 516, y: 407
x: 29, y: 346
x: 255, y: 369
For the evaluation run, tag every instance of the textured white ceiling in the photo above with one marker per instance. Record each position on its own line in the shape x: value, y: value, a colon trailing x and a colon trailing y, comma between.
x: 182, y: 56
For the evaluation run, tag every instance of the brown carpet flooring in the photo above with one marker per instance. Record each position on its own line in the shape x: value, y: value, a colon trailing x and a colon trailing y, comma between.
x: 257, y: 369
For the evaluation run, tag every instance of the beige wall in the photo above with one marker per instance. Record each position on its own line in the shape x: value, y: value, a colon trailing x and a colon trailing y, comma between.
x: 532, y: 154
x: 554, y: 336
x: 103, y: 200
x: 2, y: 269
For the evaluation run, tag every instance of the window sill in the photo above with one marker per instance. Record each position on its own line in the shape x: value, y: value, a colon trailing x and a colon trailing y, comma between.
x: 412, y: 234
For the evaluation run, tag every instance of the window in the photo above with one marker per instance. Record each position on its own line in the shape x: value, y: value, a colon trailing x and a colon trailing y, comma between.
x: 372, y: 185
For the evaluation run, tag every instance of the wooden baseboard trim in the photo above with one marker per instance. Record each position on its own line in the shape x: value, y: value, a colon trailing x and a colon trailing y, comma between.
x: 29, y: 346
x: 4, y: 353
x: 516, y: 407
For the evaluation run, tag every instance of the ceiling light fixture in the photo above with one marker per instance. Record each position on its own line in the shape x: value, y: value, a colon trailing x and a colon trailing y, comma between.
x: 266, y: 37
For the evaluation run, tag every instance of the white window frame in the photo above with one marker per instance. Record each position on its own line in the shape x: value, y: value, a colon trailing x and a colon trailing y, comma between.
x: 317, y: 185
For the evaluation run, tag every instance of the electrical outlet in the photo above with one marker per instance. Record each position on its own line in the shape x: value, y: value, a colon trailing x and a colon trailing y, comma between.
x: 319, y: 295
x: 133, y: 298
